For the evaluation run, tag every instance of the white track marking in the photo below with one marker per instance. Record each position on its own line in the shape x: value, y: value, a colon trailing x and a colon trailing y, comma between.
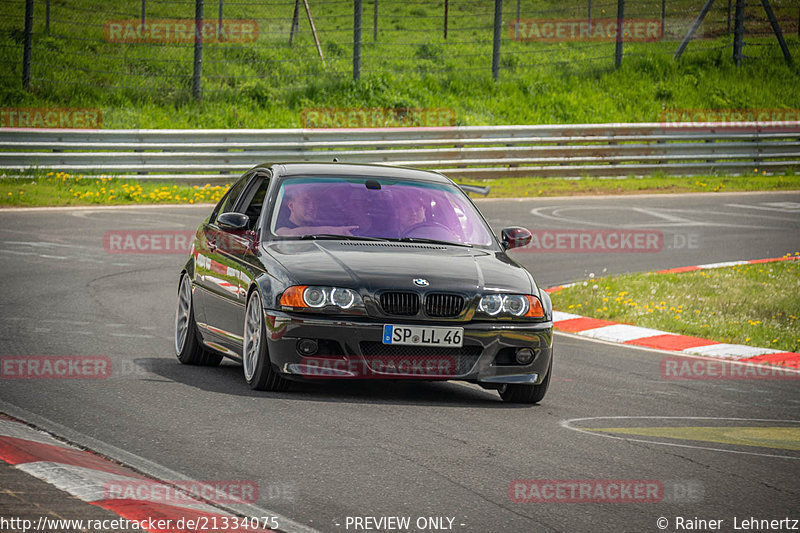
x: 670, y: 221
x: 737, y: 351
x: 621, y: 333
x: 15, y: 430
x: 560, y: 316
x: 567, y: 424
x: 780, y: 207
x: 141, y: 464
x: 723, y: 265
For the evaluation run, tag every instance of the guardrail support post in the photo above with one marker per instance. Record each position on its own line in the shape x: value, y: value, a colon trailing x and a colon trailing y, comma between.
x: 198, y: 48
x: 26, y: 47
x: 357, y: 40
x: 498, y: 20
x: 620, y: 32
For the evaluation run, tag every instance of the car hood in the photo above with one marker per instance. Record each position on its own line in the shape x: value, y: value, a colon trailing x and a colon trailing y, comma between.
x: 377, y: 265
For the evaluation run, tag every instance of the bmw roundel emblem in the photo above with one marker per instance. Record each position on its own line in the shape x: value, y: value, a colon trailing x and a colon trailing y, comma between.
x: 421, y: 282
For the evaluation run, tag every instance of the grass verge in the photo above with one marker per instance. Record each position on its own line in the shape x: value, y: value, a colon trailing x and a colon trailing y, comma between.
x: 41, y: 188
x: 268, y: 83
x: 755, y: 305
x: 61, y: 189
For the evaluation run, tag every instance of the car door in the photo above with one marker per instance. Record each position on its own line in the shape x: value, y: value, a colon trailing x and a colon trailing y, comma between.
x: 213, y: 282
x: 230, y: 260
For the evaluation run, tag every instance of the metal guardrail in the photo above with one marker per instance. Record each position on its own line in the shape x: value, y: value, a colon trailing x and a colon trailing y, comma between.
x: 460, y: 152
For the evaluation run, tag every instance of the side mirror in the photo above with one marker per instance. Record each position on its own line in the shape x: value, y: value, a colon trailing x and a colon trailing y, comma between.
x: 515, y: 237
x: 233, y: 221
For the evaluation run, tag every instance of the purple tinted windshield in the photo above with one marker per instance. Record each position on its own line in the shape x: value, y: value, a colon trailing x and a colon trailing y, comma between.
x: 378, y: 208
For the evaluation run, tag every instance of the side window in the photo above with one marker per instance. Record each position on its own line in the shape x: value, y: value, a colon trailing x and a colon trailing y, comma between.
x: 229, y: 200
x: 252, y: 207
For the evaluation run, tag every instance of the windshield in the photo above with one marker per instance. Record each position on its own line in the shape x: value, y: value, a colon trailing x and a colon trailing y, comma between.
x: 379, y: 209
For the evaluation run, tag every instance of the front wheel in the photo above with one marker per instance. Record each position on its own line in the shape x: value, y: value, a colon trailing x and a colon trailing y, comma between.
x: 258, y: 371
x: 188, y: 347
x: 526, y: 393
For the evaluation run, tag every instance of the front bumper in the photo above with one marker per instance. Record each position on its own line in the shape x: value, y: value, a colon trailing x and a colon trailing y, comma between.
x: 353, y: 349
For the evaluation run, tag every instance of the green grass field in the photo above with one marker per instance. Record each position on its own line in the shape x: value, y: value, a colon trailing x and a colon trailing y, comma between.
x: 269, y: 84
x: 40, y: 188
x: 756, y: 305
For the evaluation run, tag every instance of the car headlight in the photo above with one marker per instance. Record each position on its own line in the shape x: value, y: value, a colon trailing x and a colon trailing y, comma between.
x: 515, y: 305
x: 344, y: 298
x: 491, y: 304
x: 316, y: 297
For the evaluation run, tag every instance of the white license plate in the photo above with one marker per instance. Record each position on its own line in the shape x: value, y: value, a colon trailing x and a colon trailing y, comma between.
x: 423, y: 336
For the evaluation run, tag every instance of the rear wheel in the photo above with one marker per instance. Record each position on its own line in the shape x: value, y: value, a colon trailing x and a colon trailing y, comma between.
x: 526, y: 393
x: 258, y: 370
x: 188, y: 347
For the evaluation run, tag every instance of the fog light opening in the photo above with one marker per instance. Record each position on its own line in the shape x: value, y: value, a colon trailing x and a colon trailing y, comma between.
x: 307, y: 346
x: 524, y: 356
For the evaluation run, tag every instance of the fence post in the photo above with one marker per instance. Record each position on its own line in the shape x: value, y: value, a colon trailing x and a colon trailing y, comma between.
x: 198, y: 48
x: 729, y: 16
x: 516, y: 24
x: 219, y: 22
x: 695, y: 25
x: 295, y: 21
x: 144, y: 11
x: 776, y: 27
x: 738, y: 33
x: 47, y: 17
x: 590, y: 16
x: 357, y: 40
x: 620, y: 32
x: 498, y: 16
x: 663, y: 18
x: 446, y: 6
x: 26, y: 47
x: 375, y: 22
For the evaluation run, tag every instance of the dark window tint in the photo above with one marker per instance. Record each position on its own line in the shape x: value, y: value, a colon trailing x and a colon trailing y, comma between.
x: 230, y: 199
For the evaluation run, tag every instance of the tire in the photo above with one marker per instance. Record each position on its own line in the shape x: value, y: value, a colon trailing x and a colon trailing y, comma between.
x: 527, y: 393
x: 188, y: 347
x: 258, y: 370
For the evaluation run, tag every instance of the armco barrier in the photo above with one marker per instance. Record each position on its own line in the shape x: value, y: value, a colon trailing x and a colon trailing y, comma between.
x: 463, y: 152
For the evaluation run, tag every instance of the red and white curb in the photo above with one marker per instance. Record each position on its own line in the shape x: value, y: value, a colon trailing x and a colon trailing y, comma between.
x: 610, y: 331
x: 86, y: 476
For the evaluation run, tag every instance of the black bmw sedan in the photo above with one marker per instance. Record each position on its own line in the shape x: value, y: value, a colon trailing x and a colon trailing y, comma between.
x: 338, y: 271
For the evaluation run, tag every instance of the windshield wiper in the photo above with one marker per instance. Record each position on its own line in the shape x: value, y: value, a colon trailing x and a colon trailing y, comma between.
x: 431, y: 241
x: 334, y: 236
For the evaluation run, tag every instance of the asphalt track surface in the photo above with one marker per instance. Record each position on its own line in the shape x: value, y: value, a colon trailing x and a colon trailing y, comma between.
x: 322, y: 453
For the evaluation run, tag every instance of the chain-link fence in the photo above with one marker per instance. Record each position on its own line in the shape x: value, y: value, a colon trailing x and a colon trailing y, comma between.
x: 73, y: 50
